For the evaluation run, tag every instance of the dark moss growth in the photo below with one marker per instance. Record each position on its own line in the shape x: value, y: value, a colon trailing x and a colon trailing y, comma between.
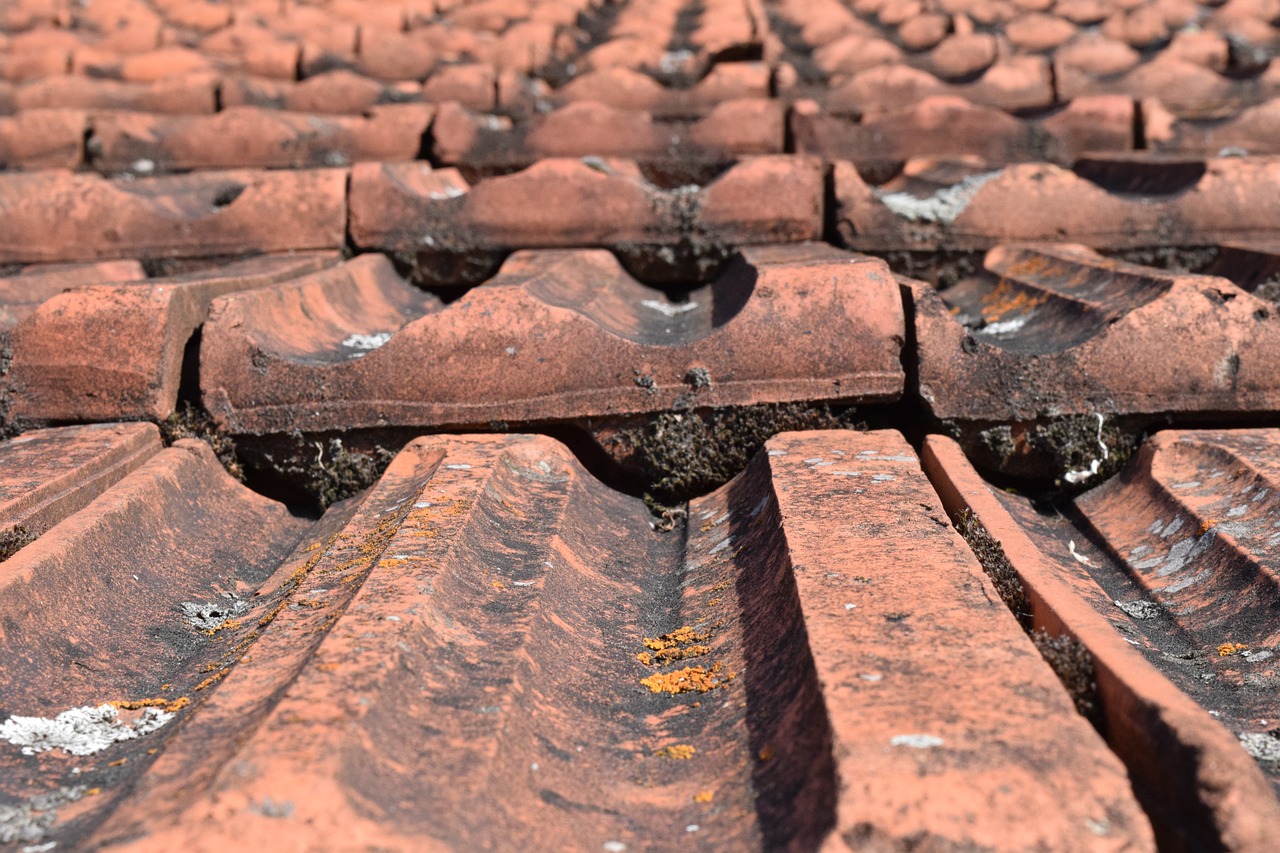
x: 998, y: 441
x: 995, y: 563
x: 1073, y: 664
x: 1181, y: 259
x: 941, y: 269
x: 13, y: 540
x: 191, y: 422
x: 325, y: 471
x: 683, y: 454
x: 1075, y: 444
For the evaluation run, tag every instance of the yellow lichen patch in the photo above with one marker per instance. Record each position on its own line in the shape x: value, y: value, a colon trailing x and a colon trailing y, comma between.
x: 211, y: 680
x: 229, y: 625
x: 93, y: 792
x: 704, y: 796
x: 691, y: 679
x: 645, y: 658
x: 1205, y: 525
x: 1007, y: 299
x: 679, y: 751
x: 1228, y: 649
x: 678, y: 637
x: 157, y: 702
x: 119, y: 762
x: 497, y: 584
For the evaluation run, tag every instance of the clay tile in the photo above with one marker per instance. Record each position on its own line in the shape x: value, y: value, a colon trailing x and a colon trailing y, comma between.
x: 1020, y: 82
x: 386, y: 55
x: 924, y: 31
x: 1120, y: 340
x: 852, y: 54
x: 579, y: 203
x: 1082, y: 13
x: 33, y: 65
x: 471, y: 85
x: 951, y: 126
x: 22, y: 294
x: 1038, y: 202
x: 1252, y: 131
x: 42, y: 139
x: 895, y: 12
x: 1097, y: 55
x: 1207, y: 789
x: 773, y: 783
x: 140, y: 329
x: 1144, y: 27
x: 1203, y: 48
x: 1037, y: 32
x: 209, y: 213
x: 961, y: 56
x: 596, y: 323
x: 170, y: 528
x: 48, y: 475
x: 252, y: 137
x: 189, y: 94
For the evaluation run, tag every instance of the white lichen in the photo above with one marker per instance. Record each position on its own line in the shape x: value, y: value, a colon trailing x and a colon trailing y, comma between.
x: 79, y: 731
x: 943, y: 207
x: 367, y: 342
x: 916, y: 741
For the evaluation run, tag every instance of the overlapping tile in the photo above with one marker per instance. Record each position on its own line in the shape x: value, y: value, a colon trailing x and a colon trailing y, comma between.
x: 1106, y: 202
x: 1057, y: 330
x: 424, y: 212
x: 556, y: 335
x: 57, y: 215
x: 562, y: 675
x: 1164, y: 576
x: 489, y: 143
x: 47, y: 475
x: 249, y: 137
x: 954, y: 127
x: 113, y: 621
x: 106, y: 351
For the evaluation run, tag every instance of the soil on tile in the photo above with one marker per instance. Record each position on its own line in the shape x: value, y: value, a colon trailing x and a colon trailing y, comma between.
x: 189, y: 421
x: 14, y: 539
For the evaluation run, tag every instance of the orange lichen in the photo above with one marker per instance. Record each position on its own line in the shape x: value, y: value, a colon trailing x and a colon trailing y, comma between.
x: 1006, y: 299
x: 704, y: 796
x: 1228, y: 649
x: 497, y: 585
x: 1205, y: 525
x: 93, y: 792
x: 691, y: 679
x: 170, y: 705
x: 767, y: 752
x: 119, y: 762
x: 230, y: 624
x: 645, y: 658
x: 678, y: 637
x: 679, y: 751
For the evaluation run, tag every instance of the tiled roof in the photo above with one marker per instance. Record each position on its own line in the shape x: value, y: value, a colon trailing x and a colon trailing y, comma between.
x: 619, y: 425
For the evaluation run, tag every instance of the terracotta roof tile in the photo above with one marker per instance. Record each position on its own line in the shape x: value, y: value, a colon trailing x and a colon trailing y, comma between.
x: 324, y: 352
x: 1255, y: 130
x: 134, y: 600
x: 255, y: 138
x: 22, y: 294
x: 115, y: 351
x: 57, y: 215
x: 1115, y: 574
x: 605, y: 758
x: 1111, y: 202
x: 580, y: 203
x: 48, y: 475
x: 731, y: 130
x: 1059, y: 330
x: 184, y: 95
x: 334, y: 92
x: 42, y: 139
x: 954, y: 127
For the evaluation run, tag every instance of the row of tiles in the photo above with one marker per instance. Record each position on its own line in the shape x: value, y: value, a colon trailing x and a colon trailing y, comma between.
x: 313, y: 343
x: 131, y: 40
x: 1110, y: 202
x: 1199, y: 59
x: 125, y: 142
x: 490, y: 649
